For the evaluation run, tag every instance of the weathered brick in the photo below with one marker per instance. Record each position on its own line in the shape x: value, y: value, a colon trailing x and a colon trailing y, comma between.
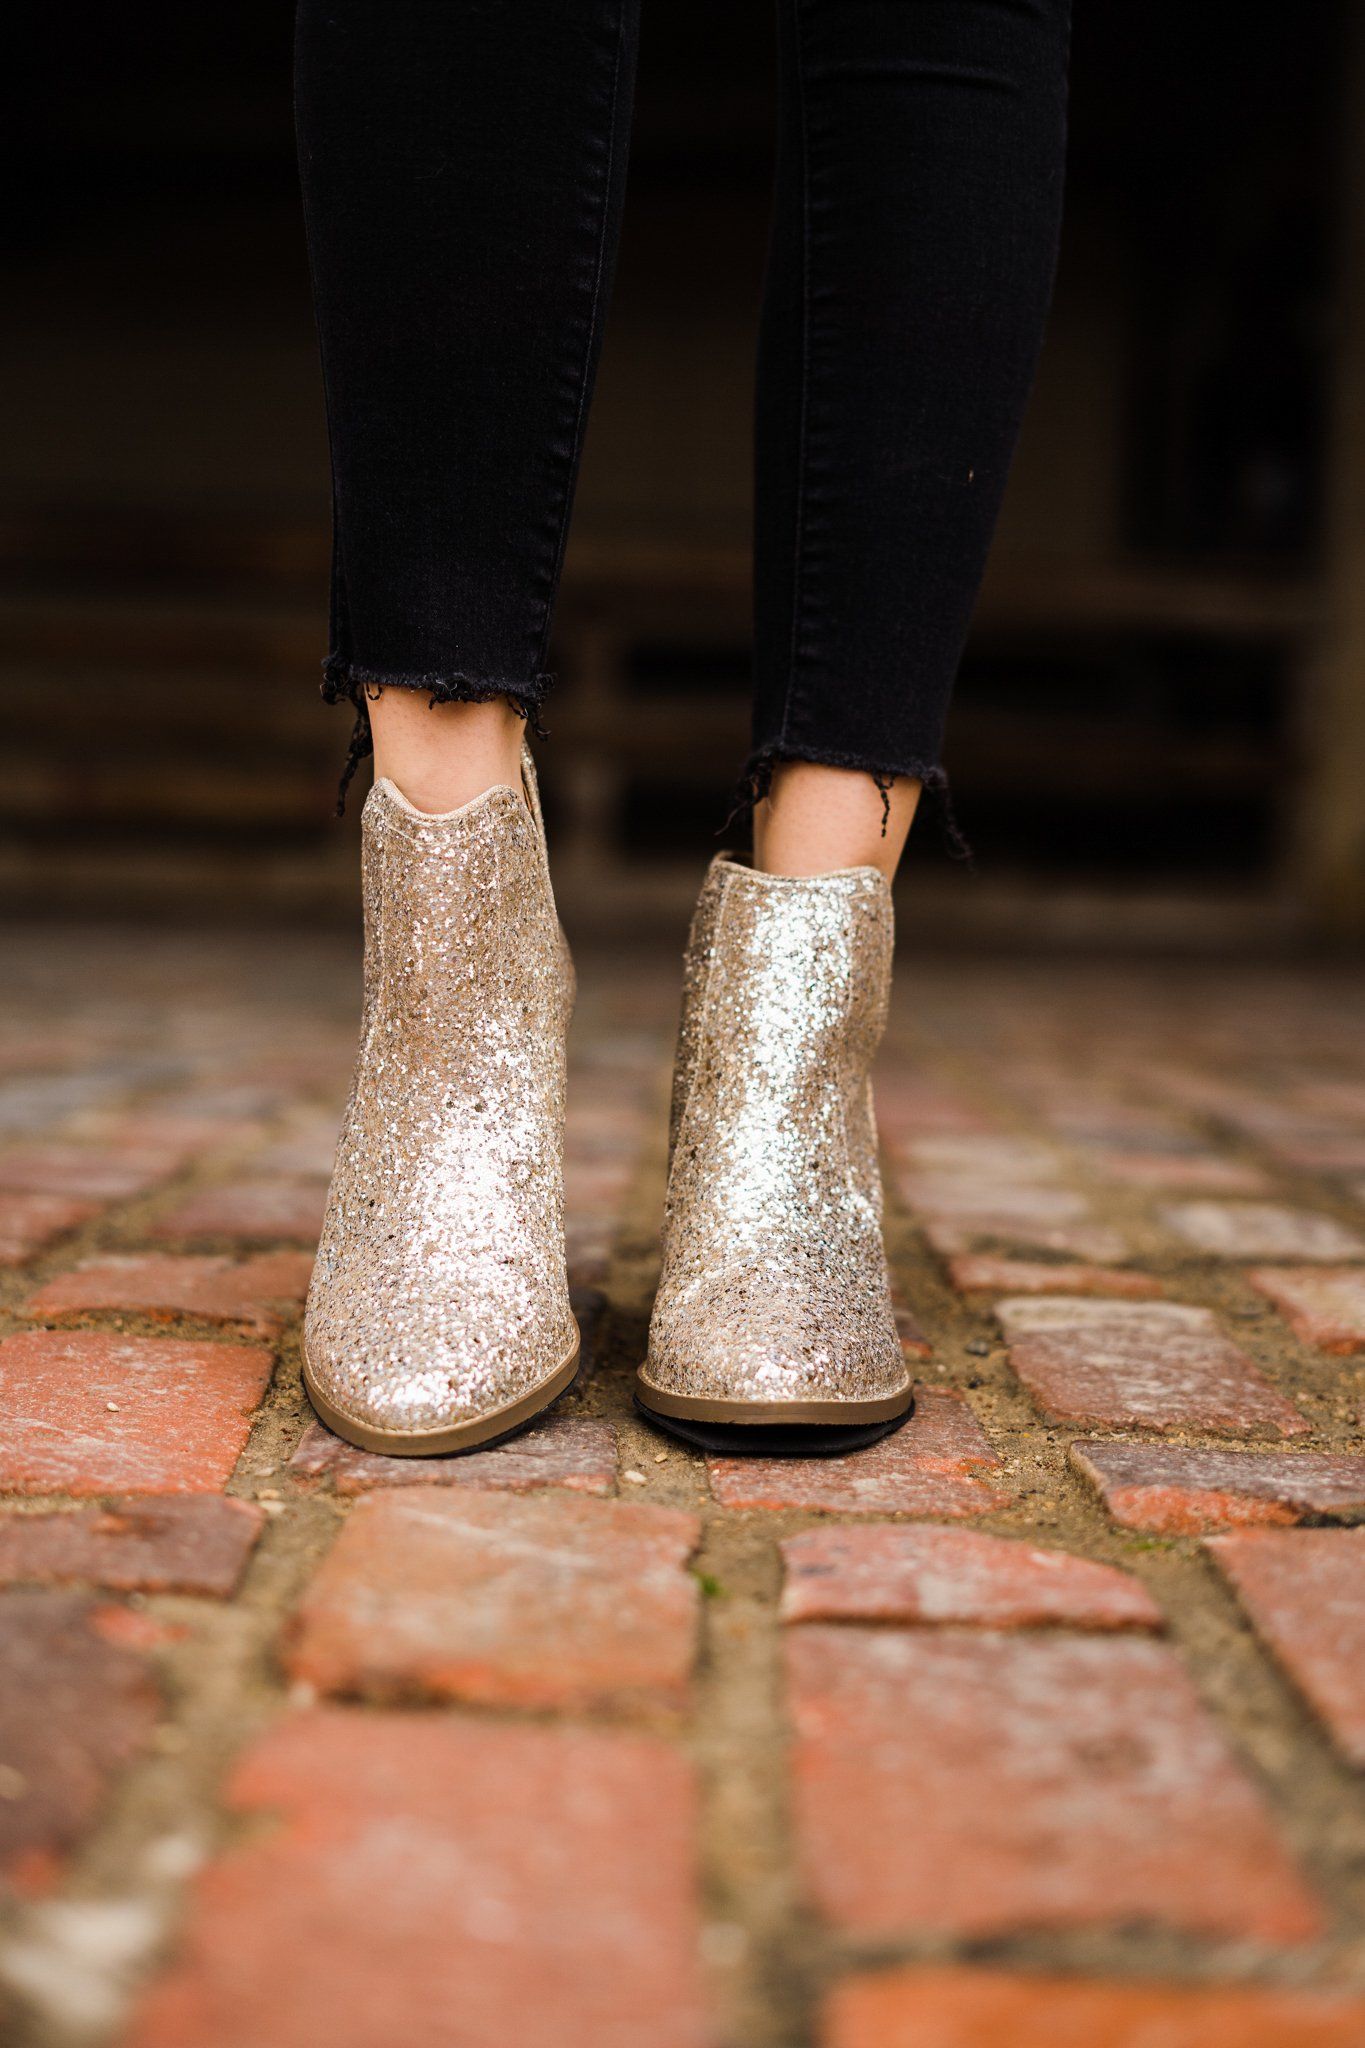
x: 589, y: 1245
x: 981, y: 1158
x: 914, y: 1343
x: 1158, y: 1363
x: 983, y: 1272
x: 910, y: 1107
x: 238, y: 1103
x: 262, y: 1292
x: 1204, y: 1173
x: 963, y: 2008
x: 445, y: 1883
x: 141, y: 1545
x: 89, y: 1173
x: 308, y: 1151
x: 557, y: 1450
x: 1261, y: 1230
x: 1304, y: 1591
x: 184, y: 1134
x: 967, y: 1198
x: 30, y: 1222
x: 1095, y: 1242
x: 1178, y: 1492
x: 543, y: 1601
x: 928, y: 1467
x: 980, y: 1784
x: 1103, y: 1125
x: 596, y: 1187
x: 260, y: 1211
x: 74, y: 1708
x: 33, y: 1103
x: 928, y: 1575
x: 89, y: 1412
x: 1317, y: 1148
x: 1325, y: 1304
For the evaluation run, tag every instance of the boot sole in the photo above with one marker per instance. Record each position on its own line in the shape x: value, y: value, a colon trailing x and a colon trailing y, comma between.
x: 479, y: 1433
x: 773, y: 1429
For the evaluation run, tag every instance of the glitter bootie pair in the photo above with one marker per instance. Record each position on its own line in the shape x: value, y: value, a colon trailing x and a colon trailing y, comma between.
x: 439, y: 1315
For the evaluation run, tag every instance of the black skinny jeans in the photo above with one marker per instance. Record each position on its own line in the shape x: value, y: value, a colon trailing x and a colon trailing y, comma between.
x: 463, y: 166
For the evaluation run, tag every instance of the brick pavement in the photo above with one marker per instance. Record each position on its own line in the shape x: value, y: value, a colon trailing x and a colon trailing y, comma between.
x: 1037, y: 1722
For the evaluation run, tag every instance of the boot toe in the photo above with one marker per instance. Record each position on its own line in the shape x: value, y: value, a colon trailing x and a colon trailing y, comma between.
x: 747, y: 1346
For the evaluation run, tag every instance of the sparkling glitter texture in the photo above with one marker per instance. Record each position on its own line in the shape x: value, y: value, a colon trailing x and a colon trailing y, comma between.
x: 440, y: 1294
x: 774, y: 1284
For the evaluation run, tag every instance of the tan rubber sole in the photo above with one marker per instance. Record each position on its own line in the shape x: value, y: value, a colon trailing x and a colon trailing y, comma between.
x: 461, y: 1436
x: 692, y: 1408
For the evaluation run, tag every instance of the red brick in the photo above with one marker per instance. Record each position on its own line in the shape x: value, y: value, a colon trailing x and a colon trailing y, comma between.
x: 74, y: 1709
x: 1158, y: 1363
x: 1206, y: 1173
x: 962, y: 2008
x: 262, y: 1211
x: 1108, y: 1126
x: 909, y: 1107
x: 545, y: 1601
x: 964, y: 1782
x: 186, y: 1135
x: 966, y: 1199
x: 979, y: 1156
x: 1325, y: 1304
x: 308, y: 1151
x: 589, y: 1246
x: 29, y: 1222
x: 89, y: 1173
x: 261, y: 1292
x: 1304, y: 1591
x: 1089, y: 1241
x: 954, y: 1575
x: 1318, y: 1149
x: 171, y: 1545
x: 597, y: 1187
x: 1179, y: 1492
x: 914, y: 1343
x: 925, y: 1468
x: 557, y: 1450
x: 87, y: 1412
x: 443, y: 1883
x: 134, y: 1629
x: 983, y: 1272
x: 1261, y: 1230
x: 1337, y: 1098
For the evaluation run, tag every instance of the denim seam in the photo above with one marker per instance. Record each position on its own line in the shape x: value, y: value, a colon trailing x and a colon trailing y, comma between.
x: 593, y: 314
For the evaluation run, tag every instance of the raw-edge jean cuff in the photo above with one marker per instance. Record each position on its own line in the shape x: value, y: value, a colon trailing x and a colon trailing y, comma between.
x: 756, y: 781
x: 346, y: 682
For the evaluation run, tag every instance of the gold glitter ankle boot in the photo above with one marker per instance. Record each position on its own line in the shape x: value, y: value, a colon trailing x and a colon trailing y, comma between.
x: 439, y: 1314
x: 772, y: 1327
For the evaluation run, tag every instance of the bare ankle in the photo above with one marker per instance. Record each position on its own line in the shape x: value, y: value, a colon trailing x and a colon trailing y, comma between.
x: 815, y: 819
x: 444, y: 755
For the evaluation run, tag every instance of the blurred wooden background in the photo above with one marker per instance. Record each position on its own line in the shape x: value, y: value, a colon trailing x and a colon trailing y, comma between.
x: 1160, y: 733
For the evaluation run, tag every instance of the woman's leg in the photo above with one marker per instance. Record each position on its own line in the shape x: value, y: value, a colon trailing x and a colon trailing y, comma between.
x: 913, y: 245
x: 463, y: 171
x: 914, y: 241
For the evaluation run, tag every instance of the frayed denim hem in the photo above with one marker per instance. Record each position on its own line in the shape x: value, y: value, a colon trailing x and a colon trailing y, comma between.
x: 756, y: 781
x: 343, y: 681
